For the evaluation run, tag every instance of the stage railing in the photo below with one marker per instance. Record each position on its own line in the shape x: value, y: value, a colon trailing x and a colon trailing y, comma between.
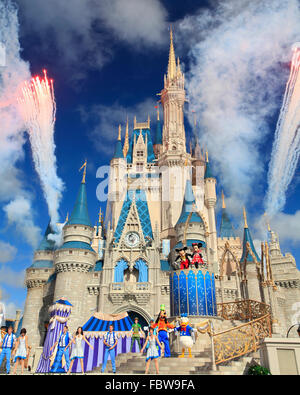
x: 243, y: 310
x: 244, y: 338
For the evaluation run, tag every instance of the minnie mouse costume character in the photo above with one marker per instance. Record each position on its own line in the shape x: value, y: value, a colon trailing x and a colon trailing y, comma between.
x: 197, y: 256
x: 185, y: 259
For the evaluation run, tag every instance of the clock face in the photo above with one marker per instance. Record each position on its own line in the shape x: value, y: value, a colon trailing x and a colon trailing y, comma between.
x: 132, y: 239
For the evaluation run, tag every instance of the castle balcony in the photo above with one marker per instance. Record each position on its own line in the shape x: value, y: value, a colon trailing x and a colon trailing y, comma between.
x: 136, y: 292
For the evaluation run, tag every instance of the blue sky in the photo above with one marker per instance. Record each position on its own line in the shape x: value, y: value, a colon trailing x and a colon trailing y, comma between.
x: 109, y: 61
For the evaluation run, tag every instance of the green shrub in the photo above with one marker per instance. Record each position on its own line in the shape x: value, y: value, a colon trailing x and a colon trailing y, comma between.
x: 257, y: 370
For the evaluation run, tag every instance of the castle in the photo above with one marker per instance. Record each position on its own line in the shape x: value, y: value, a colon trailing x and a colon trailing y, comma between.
x: 160, y: 198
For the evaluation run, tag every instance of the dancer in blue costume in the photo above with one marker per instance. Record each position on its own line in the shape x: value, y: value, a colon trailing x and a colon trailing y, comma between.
x: 7, y: 345
x: 77, y: 350
x: 110, y: 341
x: 22, y: 351
x: 152, y: 352
x: 61, y: 344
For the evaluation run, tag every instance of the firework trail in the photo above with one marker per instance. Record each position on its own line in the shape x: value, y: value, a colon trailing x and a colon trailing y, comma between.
x: 286, y: 146
x: 38, y: 108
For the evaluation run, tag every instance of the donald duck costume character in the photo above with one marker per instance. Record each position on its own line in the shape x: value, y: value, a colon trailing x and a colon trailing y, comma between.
x: 186, y: 335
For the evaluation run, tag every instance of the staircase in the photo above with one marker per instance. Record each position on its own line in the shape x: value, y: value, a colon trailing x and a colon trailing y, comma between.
x: 132, y: 363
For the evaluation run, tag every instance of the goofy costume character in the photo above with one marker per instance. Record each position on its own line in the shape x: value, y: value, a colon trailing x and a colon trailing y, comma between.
x: 186, y: 335
x: 162, y: 326
x: 197, y: 256
x: 184, y: 258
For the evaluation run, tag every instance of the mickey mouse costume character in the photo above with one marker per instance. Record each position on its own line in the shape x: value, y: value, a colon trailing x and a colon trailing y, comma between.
x: 185, y: 259
x: 197, y: 256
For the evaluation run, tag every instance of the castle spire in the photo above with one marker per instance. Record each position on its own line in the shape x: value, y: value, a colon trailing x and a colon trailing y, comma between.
x: 172, y: 58
x: 248, y: 239
x: 226, y: 228
x: 119, y: 149
x: 84, y: 171
x: 245, y: 218
x: 208, y: 172
x: 223, y: 200
x: 80, y: 215
x: 126, y: 142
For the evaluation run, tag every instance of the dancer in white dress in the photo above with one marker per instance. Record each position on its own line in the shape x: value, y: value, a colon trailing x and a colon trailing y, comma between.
x: 152, y: 352
x: 21, y: 351
x: 77, y: 351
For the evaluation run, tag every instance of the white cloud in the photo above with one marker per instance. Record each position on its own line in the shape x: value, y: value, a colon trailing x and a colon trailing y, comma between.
x: 11, y: 278
x: 287, y: 226
x: 139, y: 22
x: 235, y: 82
x: 7, y: 252
x: 106, y: 119
x: 83, y: 32
x: 19, y: 214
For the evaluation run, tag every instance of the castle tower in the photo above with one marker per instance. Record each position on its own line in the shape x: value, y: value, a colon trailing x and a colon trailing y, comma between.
x: 117, y: 182
x: 210, y: 200
x: 75, y: 258
x: 250, y: 262
x: 173, y: 98
x: 174, y: 159
x: 35, y: 278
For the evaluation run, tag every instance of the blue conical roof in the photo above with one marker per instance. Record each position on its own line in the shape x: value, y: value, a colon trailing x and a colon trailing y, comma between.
x: 226, y: 229
x: 45, y: 244
x: 189, y: 206
x: 248, y: 238
x: 118, y: 150
x: 158, y: 135
x: 208, y: 172
x: 80, y: 215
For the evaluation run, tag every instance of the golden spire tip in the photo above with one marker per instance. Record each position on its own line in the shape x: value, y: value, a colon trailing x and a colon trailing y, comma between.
x: 119, y: 136
x: 245, y: 218
x: 223, y: 200
x: 84, y: 172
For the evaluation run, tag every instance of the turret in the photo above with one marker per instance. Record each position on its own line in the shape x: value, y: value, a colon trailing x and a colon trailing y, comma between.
x: 250, y: 265
x: 210, y: 200
x: 35, y: 278
x: 75, y: 258
x: 190, y: 227
x: 226, y: 228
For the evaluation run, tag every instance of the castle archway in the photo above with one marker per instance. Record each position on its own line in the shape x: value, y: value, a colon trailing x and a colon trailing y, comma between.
x: 135, y: 311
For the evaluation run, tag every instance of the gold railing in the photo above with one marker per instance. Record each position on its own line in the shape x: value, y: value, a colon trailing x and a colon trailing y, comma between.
x: 241, y: 340
x: 244, y: 338
x: 243, y: 310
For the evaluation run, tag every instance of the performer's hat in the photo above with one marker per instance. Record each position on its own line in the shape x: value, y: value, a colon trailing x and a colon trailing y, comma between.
x: 162, y: 307
x: 181, y: 249
x: 183, y: 315
x: 197, y: 244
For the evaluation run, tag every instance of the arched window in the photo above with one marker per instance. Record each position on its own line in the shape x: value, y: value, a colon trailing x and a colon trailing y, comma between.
x: 142, y: 267
x: 119, y: 270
